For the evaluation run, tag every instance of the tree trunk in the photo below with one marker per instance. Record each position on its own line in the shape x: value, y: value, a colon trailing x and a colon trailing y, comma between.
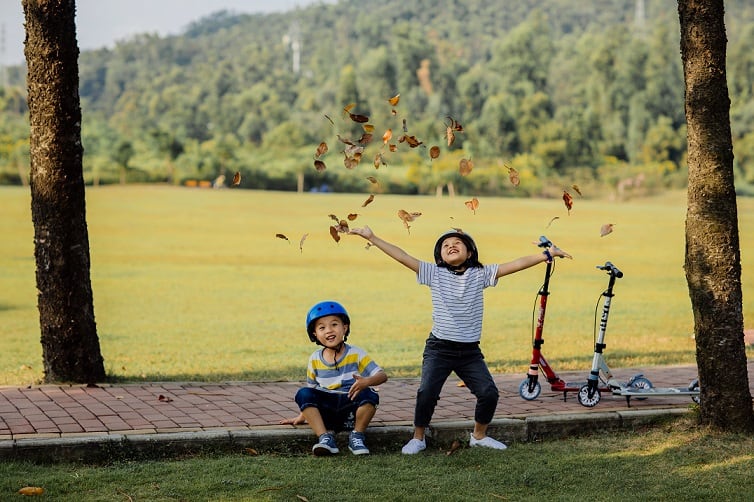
x: 713, y: 257
x: 70, y: 347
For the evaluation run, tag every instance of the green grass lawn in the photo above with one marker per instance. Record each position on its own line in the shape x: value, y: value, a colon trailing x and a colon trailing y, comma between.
x: 675, y: 461
x: 193, y: 284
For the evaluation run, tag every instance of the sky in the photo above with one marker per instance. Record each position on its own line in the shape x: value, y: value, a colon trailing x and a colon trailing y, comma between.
x: 100, y: 23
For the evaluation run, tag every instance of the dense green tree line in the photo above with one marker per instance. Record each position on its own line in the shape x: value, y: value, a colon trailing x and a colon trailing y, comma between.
x: 565, y: 90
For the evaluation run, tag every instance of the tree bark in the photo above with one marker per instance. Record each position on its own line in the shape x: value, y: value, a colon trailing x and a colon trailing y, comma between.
x: 70, y: 346
x: 713, y: 258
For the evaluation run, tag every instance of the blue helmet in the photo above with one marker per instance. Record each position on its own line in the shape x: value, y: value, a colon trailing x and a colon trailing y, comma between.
x: 323, y: 309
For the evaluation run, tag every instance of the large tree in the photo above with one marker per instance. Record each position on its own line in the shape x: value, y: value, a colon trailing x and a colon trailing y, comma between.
x: 713, y: 257
x: 70, y: 347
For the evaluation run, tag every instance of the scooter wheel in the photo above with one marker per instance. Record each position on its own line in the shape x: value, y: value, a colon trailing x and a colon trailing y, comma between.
x: 640, y: 383
x: 529, y: 395
x: 585, y: 400
x: 694, y: 385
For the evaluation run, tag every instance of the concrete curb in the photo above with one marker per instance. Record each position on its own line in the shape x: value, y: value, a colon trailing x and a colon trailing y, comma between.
x: 381, y: 439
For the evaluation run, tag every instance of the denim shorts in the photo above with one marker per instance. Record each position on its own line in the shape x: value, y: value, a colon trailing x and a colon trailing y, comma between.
x: 337, y: 410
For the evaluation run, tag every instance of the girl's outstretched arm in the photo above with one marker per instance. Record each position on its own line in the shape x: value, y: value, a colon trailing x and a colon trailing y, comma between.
x: 389, y: 249
x: 529, y: 261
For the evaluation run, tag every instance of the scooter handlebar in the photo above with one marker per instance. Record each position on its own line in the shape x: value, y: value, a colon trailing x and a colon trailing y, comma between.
x: 544, y: 242
x: 611, y: 269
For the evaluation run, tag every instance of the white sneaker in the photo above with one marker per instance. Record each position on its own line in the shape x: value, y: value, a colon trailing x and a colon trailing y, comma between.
x: 487, y: 442
x: 414, y: 446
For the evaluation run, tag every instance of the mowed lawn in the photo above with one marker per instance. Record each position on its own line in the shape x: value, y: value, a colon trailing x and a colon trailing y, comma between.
x: 194, y: 284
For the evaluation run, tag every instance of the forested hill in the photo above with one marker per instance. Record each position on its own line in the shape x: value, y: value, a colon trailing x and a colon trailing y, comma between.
x: 550, y: 87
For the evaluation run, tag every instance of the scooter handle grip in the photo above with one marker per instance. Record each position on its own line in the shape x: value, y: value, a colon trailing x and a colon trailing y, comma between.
x: 544, y: 242
x: 612, y: 269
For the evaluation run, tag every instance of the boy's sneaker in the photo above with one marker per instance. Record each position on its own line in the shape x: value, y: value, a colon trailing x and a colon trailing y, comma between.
x: 414, y: 446
x: 326, y: 445
x: 356, y: 444
x: 487, y: 442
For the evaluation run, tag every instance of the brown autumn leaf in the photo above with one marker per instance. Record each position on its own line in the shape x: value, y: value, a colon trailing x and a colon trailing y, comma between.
x: 410, y: 140
x: 329, y: 119
x: 450, y: 136
x: 392, y: 147
x: 472, y: 204
x: 236, y: 179
x: 251, y: 451
x: 368, y: 201
x: 405, y: 125
x: 394, y: 100
x: 282, y: 236
x: 465, y: 166
x: 164, y: 399
x: 365, y: 139
x: 351, y: 162
x: 319, y: 165
x: 342, y: 227
x: 368, y: 128
x: 347, y: 141
x: 360, y: 119
x: 387, y: 136
x: 31, y: 490
x: 334, y: 218
x: 606, y: 229
x: 352, y: 216
x: 347, y: 109
x: 301, y: 242
x: 553, y: 219
x: 454, y: 124
x: 407, y: 217
x: 372, y: 180
x: 568, y: 201
x: 334, y: 233
x: 577, y: 189
x: 454, y: 447
x: 513, y: 175
x: 321, y: 150
x: 434, y: 152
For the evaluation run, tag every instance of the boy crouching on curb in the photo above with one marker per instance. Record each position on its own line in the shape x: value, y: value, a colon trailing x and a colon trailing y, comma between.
x: 337, y: 395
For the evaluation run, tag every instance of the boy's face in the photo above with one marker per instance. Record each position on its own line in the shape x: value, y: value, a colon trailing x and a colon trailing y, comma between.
x: 330, y: 331
x: 454, y: 251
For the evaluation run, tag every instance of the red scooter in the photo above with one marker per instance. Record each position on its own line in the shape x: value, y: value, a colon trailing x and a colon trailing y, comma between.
x: 530, y: 387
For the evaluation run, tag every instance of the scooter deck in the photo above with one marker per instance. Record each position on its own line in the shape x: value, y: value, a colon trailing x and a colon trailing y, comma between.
x: 655, y: 391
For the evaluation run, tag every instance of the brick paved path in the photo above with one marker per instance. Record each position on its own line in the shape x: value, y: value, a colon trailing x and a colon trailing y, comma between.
x: 57, y: 411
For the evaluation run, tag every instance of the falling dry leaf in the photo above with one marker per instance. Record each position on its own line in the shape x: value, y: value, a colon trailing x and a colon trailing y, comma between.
x: 368, y: 201
x: 334, y: 234
x: 372, y: 180
x: 405, y: 125
x: 301, y: 242
x: 319, y: 165
x: 513, y: 175
x: 410, y: 140
x: 164, y: 399
x: 407, y: 217
x: 321, y: 150
x: 454, y: 447
x: 568, y: 201
x: 465, y: 166
x: 368, y: 128
x: 379, y: 160
x: 387, y: 136
x: 553, y: 219
x: 282, y: 236
x: 329, y: 119
x: 472, y: 204
x: 394, y: 100
x: 237, y: 179
x: 352, y: 216
x: 606, y: 229
x: 31, y: 490
x: 434, y: 152
x: 577, y: 189
x: 334, y: 218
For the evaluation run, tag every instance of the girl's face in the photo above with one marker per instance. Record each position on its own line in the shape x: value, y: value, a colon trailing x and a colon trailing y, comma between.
x: 454, y: 251
x: 330, y: 331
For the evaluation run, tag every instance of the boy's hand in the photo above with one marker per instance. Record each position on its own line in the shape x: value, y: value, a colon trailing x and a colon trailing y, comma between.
x: 357, y: 386
x: 556, y: 251
x: 298, y: 420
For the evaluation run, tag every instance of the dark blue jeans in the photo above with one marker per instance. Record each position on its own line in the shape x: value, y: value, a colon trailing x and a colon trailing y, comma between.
x: 441, y: 357
x: 338, y: 412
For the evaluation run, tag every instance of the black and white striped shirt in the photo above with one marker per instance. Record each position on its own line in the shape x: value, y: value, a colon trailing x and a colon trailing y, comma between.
x: 457, y: 300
